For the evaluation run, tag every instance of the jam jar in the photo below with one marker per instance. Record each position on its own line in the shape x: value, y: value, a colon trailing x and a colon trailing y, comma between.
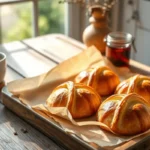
x: 118, y: 47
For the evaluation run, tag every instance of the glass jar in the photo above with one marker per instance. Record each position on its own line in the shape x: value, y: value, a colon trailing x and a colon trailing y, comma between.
x: 118, y: 47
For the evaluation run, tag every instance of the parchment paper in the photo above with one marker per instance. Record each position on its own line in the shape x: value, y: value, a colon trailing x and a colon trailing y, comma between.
x: 34, y: 92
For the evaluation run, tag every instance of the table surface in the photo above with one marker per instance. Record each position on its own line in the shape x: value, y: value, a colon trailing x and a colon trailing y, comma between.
x: 29, y: 58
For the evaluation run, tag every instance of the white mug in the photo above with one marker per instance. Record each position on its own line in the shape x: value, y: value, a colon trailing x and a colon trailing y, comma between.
x: 2, y: 66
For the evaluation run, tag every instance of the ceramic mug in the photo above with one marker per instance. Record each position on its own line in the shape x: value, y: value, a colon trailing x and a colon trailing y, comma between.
x: 2, y: 66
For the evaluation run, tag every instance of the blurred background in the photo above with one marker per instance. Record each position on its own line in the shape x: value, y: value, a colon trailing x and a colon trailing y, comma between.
x: 18, y: 19
x: 21, y: 19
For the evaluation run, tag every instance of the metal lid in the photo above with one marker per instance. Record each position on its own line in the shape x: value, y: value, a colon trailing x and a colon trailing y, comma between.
x: 119, y: 38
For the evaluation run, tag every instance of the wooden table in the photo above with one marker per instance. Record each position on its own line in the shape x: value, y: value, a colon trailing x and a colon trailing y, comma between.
x: 25, y: 59
x: 28, y: 58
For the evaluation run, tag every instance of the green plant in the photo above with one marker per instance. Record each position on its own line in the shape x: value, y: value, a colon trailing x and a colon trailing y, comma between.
x: 54, y: 17
x: 51, y: 20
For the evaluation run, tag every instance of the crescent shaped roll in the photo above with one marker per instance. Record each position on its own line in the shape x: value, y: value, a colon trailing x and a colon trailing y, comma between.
x: 81, y: 100
x: 102, y: 79
x: 125, y: 114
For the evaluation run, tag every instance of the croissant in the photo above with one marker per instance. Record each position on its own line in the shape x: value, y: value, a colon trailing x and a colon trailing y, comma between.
x: 125, y: 114
x: 81, y: 100
x: 137, y: 84
x: 102, y: 79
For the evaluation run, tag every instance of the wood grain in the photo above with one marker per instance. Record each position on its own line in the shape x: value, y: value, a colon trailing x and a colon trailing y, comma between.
x: 142, y: 69
x: 28, y: 58
x: 56, y: 47
x: 25, y: 60
x: 16, y: 134
x: 52, y: 130
x: 12, y: 129
x: 33, y: 139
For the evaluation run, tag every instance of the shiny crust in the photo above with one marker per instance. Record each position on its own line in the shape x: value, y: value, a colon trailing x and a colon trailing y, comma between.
x: 137, y: 84
x: 102, y: 79
x: 125, y: 114
x: 81, y: 100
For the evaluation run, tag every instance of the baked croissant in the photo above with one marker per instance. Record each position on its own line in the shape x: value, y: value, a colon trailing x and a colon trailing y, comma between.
x: 125, y: 114
x: 81, y: 100
x: 102, y: 79
x: 137, y: 84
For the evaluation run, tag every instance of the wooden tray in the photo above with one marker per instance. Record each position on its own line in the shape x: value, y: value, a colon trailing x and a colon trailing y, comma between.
x: 50, y: 128
x: 56, y: 133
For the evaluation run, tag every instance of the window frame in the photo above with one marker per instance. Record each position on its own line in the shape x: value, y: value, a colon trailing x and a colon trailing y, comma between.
x: 75, y: 20
x: 34, y: 14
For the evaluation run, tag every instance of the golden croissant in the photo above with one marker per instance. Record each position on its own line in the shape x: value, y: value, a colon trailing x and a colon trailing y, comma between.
x: 102, y: 79
x: 81, y: 100
x: 125, y: 114
x: 137, y: 84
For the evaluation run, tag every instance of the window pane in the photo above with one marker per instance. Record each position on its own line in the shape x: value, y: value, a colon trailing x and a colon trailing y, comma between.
x: 51, y: 17
x: 17, y: 20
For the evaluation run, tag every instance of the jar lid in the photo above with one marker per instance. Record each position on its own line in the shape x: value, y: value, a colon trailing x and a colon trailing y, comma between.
x: 119, y: 38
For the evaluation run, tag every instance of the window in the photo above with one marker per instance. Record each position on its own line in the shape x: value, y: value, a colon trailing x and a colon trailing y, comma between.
x: 20, y: 19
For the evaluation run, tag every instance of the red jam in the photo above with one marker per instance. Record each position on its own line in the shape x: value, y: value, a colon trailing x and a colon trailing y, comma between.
x: 119, y: 56
x: 118, y: 48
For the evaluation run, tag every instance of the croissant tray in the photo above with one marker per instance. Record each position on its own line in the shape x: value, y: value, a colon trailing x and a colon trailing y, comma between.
x: 51, y: 128
x: 48, y: 126
x: 54, y: 131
